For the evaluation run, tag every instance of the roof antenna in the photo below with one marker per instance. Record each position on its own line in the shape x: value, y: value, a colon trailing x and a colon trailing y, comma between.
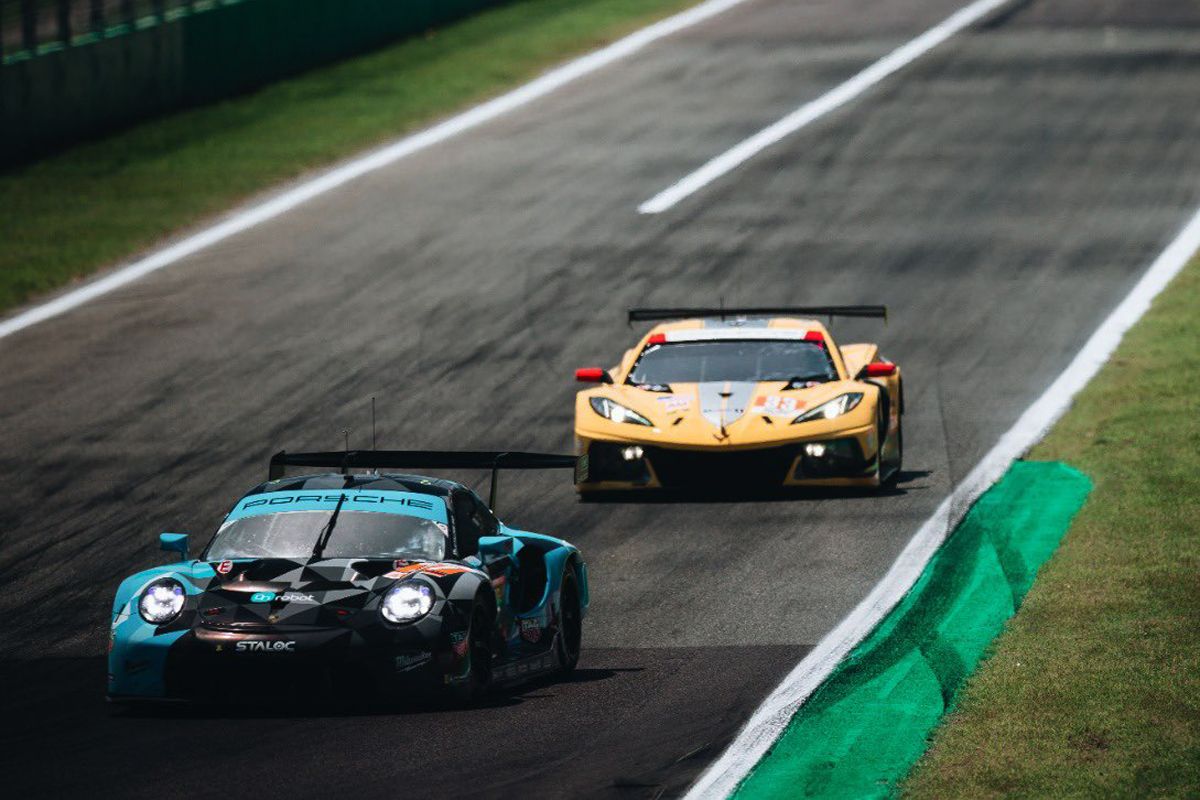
x: 495, y: 481
x: 346, y: 458
x: 373, y: 422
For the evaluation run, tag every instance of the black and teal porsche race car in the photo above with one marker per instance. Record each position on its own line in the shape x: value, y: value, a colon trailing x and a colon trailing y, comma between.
x: 379, y: 583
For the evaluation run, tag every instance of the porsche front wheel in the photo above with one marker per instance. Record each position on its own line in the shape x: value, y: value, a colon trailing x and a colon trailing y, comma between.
x: 478, y: 678
x: 569, y: 640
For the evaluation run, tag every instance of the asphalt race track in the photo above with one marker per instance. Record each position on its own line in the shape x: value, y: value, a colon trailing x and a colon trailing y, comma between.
x: 1000, y: 195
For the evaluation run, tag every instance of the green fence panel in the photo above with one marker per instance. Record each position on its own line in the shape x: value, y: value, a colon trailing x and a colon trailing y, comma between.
x: 56, y: 98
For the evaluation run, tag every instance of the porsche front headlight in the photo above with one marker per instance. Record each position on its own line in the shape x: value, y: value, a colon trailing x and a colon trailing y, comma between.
x: 407, y: 602
x: 617, y: 412
x: 161, y: 601
x: 842, y: 404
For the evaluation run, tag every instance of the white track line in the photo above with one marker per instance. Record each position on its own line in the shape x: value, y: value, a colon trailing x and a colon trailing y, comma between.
x: 370, y: 162
x: 770, y: 719
x: 810, y: 112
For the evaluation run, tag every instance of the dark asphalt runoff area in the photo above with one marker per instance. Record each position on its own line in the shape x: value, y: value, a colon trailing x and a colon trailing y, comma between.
x: 1000, y: 195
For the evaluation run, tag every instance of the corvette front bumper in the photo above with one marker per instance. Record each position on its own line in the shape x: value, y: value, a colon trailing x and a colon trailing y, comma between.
x: 844, y: 459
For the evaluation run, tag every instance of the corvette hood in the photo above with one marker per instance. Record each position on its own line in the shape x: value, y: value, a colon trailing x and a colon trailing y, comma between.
x: 724, y: 413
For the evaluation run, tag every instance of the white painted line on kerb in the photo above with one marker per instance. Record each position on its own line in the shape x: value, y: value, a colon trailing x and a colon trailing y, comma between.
x: 810, y: 112
x: 773, y: 716
x: 370, y: 162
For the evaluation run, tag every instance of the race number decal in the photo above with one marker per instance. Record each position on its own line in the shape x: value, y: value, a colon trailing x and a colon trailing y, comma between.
x: 775, y: 405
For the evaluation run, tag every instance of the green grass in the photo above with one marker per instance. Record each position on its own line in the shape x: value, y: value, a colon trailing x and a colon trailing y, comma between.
x: 1093, y: 690
x: 71, y: 214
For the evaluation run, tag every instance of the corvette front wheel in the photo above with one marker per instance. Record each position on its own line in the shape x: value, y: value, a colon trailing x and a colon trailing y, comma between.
x: 888, y: 470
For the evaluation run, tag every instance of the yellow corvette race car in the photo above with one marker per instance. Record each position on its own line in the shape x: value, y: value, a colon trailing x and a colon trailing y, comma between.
x: 721, y: 398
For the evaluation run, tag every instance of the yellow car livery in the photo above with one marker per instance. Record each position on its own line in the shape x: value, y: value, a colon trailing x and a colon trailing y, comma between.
x: 740, y: 398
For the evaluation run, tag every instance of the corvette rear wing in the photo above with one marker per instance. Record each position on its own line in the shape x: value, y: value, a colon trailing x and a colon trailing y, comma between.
x: 494, y: 460
x: 659, y: 314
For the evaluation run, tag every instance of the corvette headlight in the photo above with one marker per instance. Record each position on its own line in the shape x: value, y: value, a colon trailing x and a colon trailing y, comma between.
x: 407, y: 602
x: 162, y: 601
x: 839, y: 405
x: 617, y: 412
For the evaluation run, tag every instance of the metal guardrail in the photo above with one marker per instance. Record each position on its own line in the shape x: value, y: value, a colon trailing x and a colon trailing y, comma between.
x: 29, y: 27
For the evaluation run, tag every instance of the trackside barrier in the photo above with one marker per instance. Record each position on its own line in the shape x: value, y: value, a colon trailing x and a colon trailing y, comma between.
x: 83, y: 84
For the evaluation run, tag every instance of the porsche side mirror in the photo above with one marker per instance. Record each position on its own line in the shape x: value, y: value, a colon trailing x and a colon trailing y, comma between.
x: 174, y: 543
x: 492, y: 547
x: 878, y: 369
x: 593, y: 375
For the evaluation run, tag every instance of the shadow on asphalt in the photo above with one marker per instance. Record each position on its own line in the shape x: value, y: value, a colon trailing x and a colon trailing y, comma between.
x: 53, y: 684
x: 727, y: 494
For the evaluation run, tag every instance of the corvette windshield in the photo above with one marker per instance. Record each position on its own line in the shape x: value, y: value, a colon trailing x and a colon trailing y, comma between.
x: 358, y: 534
x: 738, y: 360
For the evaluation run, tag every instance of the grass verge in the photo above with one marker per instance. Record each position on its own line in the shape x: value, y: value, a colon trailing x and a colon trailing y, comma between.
x: 73, y: 213
x: 1094, y: 687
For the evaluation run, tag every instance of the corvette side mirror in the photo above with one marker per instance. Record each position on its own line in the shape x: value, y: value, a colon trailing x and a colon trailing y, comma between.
x: 174, y: 543
x: 495, y: 546
x: 878, y: 369
x: 593, y: 375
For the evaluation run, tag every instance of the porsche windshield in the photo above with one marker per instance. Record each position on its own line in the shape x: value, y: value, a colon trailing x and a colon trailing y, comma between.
x: 737, y: 360
x: 357, y: 534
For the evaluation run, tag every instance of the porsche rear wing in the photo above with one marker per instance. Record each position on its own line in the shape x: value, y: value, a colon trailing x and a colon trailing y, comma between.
x: 493, y: 460
x: 659, y: 314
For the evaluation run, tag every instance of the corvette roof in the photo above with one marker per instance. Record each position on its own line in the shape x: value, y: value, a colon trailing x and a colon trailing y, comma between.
x: 693, y: 330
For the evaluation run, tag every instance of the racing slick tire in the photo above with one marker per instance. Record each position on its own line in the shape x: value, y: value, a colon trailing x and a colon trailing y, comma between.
x: 479, y: 654
x: 894, y: 477
x: 888, y: 471
x: 570, y: 628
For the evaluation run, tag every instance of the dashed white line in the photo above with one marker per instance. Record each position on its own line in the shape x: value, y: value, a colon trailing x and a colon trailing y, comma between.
x: 810, y: 112
x: 772, y: 717
x: 356, y: 168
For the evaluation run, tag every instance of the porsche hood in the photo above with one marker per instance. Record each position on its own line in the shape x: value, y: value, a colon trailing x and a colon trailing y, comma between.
x: 274, y: 592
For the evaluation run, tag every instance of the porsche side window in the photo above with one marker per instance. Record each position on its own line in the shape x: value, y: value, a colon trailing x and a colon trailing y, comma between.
x: 488, y: 525
x: 465, y: 527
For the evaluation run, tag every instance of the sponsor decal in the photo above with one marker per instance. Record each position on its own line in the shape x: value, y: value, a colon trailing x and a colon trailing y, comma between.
x: 262, y: 597
x: 224, y: 567
x: 531, y: 631
x: 459, y: 643
x: 437, y: 570
x: 411, y: 660
x: 134, y: 667
x: 361, y: 499
x: 266, y: 647
x: 296, y: 597
x: 776, y: 405
x: 674, y: 404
